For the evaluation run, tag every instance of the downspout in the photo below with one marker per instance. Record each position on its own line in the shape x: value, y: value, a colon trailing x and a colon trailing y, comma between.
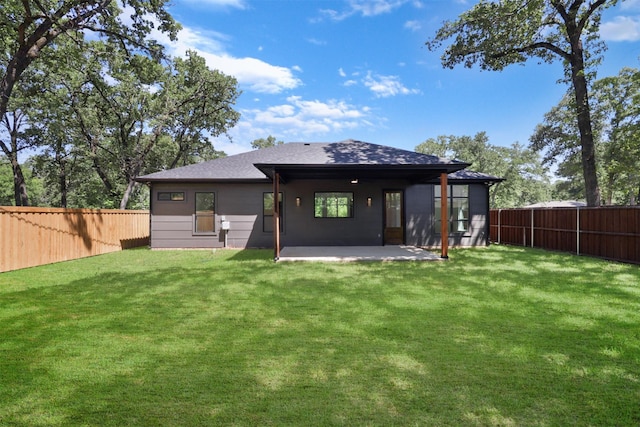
x: 488, y: 226
x: 150, y: 209
x: 276, y: 215
x: 444, y: 216
x: 488, y: 219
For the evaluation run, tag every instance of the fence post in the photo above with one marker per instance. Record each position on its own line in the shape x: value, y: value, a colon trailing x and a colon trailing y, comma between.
x: 499, y: 226
x: 531, y: 227
x: 577, y: 231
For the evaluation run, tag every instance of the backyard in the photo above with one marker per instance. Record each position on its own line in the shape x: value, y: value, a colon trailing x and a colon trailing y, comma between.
x: 495, y: 336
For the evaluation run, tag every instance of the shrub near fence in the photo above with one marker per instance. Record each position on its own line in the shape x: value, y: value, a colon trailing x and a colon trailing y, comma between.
x: 607, y: 232
x: 31, y: 236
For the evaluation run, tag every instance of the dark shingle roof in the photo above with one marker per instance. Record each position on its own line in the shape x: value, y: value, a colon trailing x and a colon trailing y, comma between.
x: 345, y: 155
x: 467, y: 175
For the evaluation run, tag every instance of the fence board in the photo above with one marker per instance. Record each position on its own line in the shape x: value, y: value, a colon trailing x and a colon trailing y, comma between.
x: 607, y: 232
x: 31, y: 236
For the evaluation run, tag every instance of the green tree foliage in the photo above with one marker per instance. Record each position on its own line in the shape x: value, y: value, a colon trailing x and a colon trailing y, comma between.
x: 12, y: 142
x: 121, y: 116
x: 525, y: 182
x: 270, y: 141
x: 616, y: 124
x: 495, y: 34
x: 30, y: 30
x: 6, y: 183
x: 36, y: 185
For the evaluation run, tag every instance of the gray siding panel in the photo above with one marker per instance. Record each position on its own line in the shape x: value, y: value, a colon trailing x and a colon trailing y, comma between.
x: 364, y: 229
x: 423, y: 222
x: 241, y: 205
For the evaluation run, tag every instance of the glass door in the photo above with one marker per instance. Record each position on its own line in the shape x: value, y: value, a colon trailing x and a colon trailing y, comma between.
x: 393, y: 218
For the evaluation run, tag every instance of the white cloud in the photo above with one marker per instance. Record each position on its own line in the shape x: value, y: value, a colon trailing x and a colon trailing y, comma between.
x: 366, y: 8
x: 630, y: 5
x: 375, y: 7
x: 621, y: 28
x: 253, y: 74
x: 386, y: 86
x: 238, y: 4
x: 412, y: 25
x: 299, y: 119
x: 316, y: 42
x: 332, y: 109
x: 341, y: 72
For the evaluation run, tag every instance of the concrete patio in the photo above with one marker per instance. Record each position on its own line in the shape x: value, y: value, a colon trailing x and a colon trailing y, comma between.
x: 356, y: 253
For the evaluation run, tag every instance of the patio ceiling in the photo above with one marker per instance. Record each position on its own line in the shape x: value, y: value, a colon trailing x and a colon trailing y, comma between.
x: 412, y: 173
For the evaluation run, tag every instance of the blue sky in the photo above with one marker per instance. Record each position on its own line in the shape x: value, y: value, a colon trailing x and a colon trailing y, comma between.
x: 324, y: 71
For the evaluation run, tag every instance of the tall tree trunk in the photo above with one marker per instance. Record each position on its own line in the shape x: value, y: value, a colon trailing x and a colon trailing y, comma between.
x: 127, y: 194
x: 62, y: 180
x: 592, y: 190
x: 19, y: 185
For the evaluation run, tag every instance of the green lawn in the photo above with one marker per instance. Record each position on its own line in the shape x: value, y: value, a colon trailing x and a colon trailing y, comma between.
x: 495, y: 336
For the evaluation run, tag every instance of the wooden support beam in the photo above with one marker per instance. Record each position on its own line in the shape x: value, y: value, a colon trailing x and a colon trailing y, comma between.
x: 444, y: 216
x: 276, y: 216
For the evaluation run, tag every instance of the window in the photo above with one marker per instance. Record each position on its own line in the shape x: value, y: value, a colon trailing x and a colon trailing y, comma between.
x: 205, y: 213
x: 458, y: 203
x: 171, y: 196
x: 267, y: 212
x: 333, y: 205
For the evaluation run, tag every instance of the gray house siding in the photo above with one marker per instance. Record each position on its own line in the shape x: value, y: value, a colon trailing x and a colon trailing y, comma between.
x: 364, y: 229
x: 421, y: 220
x: 172, y: 222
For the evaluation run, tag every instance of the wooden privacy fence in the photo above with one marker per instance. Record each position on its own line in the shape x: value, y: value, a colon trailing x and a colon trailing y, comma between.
x: 31, y: 236
x: 607, y: 232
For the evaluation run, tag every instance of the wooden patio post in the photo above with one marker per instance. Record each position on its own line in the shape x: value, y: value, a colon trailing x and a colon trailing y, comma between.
x: 276, y: 216
x: 444, y: 216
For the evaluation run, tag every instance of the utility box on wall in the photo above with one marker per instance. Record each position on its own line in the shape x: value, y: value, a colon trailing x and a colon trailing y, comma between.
x: 225, y: 225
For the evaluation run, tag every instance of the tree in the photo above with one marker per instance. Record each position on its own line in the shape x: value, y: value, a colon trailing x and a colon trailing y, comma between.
x: 6, y: 183
x: 616, y: 124
x: 525, y: 179
x: 29, y: 27
x: 497, y: 34
x: 200, y: 105
x: 7, y: 197
x: 264, y: 143
x: 12, y: 128
x: 618, y: 100
x: 127, y: 115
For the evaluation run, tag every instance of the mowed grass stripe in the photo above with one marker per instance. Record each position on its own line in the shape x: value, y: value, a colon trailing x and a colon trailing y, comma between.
x: 494, y: 336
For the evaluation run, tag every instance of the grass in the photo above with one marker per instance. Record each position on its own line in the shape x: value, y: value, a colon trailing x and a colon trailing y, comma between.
x: 495, y: 336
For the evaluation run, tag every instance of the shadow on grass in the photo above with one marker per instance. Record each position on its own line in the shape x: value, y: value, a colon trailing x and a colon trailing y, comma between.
x: 252, y: 255
x: 500, y: 336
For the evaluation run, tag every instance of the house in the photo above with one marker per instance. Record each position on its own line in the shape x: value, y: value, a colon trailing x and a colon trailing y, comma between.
x: 557, y: 204
x: 348, y: 193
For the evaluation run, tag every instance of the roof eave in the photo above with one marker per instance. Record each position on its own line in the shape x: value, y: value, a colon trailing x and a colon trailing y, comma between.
x: 204, y: 180
x: 410, y: 171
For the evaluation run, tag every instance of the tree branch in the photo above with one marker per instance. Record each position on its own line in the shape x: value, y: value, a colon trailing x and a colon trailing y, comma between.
x: 585, y: 18
x: 539, y: 45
